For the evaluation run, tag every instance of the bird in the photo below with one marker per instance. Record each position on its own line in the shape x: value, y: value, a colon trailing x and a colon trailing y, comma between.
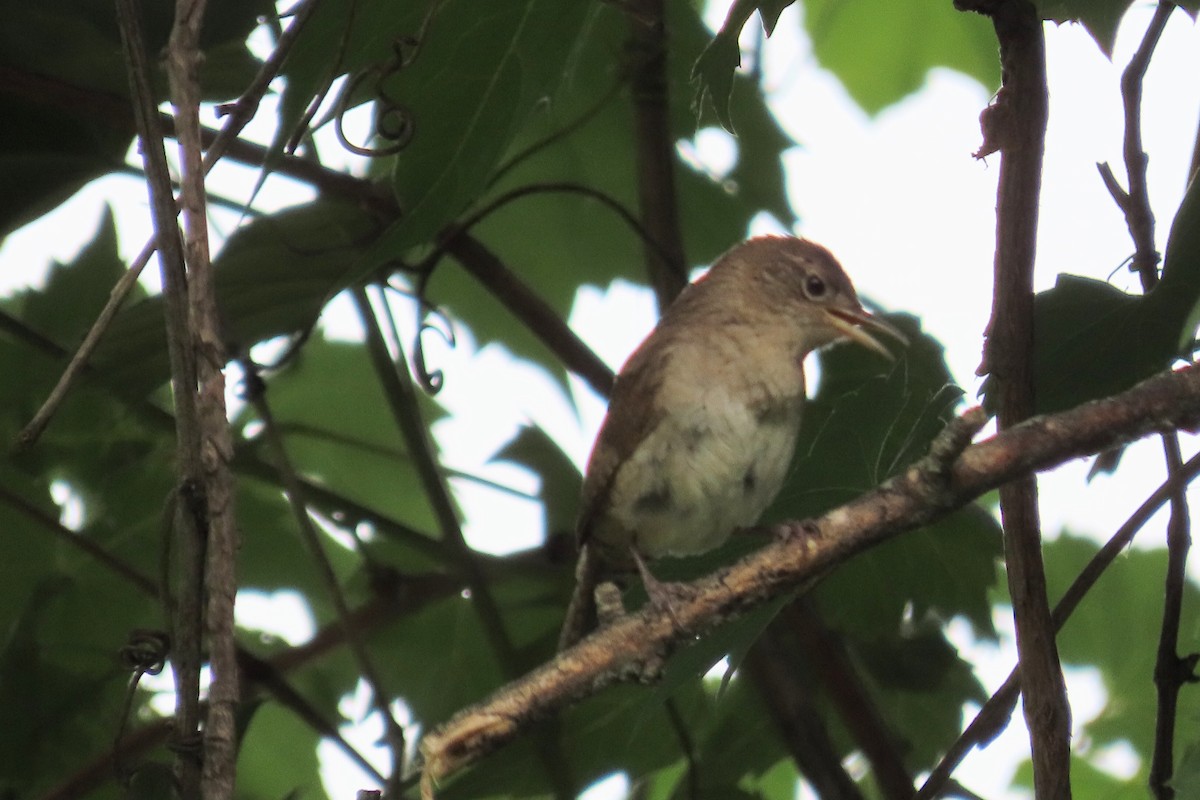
x: 703, y: 417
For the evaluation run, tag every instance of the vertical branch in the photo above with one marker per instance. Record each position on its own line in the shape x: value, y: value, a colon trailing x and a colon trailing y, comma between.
x: 1016, y: 126
x: 655, y: 150
x: 215, y: 443
x: 240, y: 114
x: 1135, y: 202
x: 189, y: 529
x: 1170, y: 671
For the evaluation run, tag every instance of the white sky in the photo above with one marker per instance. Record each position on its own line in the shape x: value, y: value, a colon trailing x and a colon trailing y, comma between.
x: 907, y: 210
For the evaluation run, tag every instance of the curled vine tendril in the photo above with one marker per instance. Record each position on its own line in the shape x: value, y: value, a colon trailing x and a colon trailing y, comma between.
x: 394, y: 123
x: 430, y: 318
x: 145, y: 653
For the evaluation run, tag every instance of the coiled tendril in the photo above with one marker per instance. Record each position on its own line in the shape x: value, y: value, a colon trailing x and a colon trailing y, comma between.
x: 394, y: 122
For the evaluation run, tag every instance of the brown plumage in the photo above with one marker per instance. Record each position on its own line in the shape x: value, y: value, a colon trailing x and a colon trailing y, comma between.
x: 703, y: 418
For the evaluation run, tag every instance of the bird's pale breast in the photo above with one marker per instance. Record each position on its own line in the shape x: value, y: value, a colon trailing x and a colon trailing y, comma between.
x: 711, y: 464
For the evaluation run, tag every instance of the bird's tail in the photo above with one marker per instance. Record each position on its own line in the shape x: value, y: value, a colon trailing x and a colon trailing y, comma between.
x: 581, y: 612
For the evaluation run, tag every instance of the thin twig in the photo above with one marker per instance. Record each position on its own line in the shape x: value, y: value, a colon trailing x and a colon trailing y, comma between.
x: 380, y: 698
x: 543, y: 321
x: 995, y: 713
x: 398, y: 386
x: 79, y: 361
x: 1170, y: 671
x: 654, y: 142
x: 1135, y: 202
x: 218, y: 144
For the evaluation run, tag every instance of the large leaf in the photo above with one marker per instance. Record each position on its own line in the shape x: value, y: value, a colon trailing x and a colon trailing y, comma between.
x: 1092, y: 340
x: 273, y: 277
x: 904, y: 42
x: 277, y: 737
x: 881, y: 51
x: 476, y: 77
x: 583, y: 137
x: 339, y: 432
x: 868, y: 421
x: 1101, y: 18
x: 66, y: 83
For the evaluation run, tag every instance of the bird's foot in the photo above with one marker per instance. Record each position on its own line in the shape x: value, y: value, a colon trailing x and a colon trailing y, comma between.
x: 801, y: 532
x: 610, y: 606
x: 663, y: 595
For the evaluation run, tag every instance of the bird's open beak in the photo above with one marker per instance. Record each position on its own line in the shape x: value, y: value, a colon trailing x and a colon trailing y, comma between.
x: 857, y: 325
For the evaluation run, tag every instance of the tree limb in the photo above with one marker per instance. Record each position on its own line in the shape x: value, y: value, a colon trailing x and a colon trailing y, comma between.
x: 807, y: 550
x: 190, y: 524
x: 655, y: 149
x: 1016, y: 126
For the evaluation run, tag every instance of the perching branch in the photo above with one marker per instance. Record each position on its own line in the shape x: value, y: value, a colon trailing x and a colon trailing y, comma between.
x: 807, y: 550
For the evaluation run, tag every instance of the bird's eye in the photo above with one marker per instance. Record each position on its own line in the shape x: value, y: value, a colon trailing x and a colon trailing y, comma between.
x: 814, y: 287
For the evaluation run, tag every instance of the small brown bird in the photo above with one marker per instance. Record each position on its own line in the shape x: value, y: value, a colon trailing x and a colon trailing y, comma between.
x: 703, y: 418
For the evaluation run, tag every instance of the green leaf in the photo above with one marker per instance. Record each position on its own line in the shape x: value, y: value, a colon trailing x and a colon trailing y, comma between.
x: 272, y: 278
x: 276, y: 737
x: 560, y: 478
x: 582, y: 137
x: 477, y: 76
x: 1101, y: 18
x: 881, y: 51
x: 1186, y: 780
x: 1177, y: 295
x: 51, y: 155
x: 714, y: 73
x: 352, y: 448
x: 869, y: 420
x: 75, y: 292
x: 1093, y: 340
x: 65, y: 691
